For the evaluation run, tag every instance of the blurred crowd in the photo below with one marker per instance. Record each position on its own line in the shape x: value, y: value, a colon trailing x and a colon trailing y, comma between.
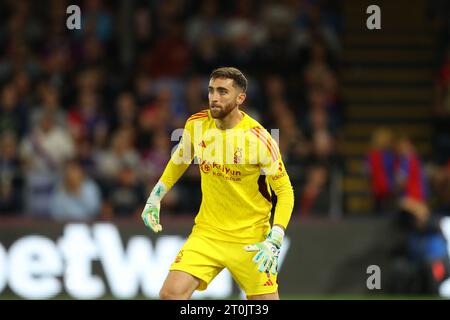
x: 440, y: 16
x: 415, y: 191
x: 86, y: 115
x: 393, y: 164
x: 413, y: 194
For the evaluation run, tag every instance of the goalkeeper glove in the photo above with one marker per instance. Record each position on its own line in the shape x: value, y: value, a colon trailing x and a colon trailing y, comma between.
x: 150, y: 214
x: 268, y: 251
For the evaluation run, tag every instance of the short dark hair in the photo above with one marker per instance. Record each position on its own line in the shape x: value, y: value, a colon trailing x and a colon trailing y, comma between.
x: 231, y: 73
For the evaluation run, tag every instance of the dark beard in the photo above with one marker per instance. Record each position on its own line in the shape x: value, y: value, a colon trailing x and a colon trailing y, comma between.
x: 223, y: 112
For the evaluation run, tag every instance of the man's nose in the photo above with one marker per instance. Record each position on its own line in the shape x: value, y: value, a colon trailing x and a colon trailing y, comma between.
x: 214, y: 97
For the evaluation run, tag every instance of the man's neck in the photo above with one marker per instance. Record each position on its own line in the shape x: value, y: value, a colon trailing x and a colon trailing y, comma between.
x: 230, y: 121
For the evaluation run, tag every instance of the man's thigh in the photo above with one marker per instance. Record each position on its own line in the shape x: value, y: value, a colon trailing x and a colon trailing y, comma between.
x: 246, y: 274
x: 201, y: 258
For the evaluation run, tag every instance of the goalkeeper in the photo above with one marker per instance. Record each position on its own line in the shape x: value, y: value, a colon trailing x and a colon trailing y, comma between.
x: 232, y: 228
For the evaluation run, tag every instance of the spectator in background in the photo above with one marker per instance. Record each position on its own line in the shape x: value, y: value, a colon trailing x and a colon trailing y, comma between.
x: 318, y: 67
x: 145, y: 131
x: 171, y: 55
x: 440, y: 186
x: 77, y: 198
x: 125, y: 194
x: 47, y: 146
x: 120, y: 152
x: 92, y: 51
x: 322, y: 83
x: 23, y: 84
x: 90, y: 80
x: 290, y: 135
x: 379, y: 164
x: 278, y: 49
x: 86, y: 156
x: 314, y: 26
x: 204, y: 33
x: 411, y: 180
x: 57, y: 62
x: 443, y: 85
x: 97, y: 20
x: 318, y: 120
x: 420, y: 262
x: 320, y: 165
x: 319, y: 100
x: 239, y: 49
x: 206, y: 22
x: 171, y: 111
x: 441, y: 119
x: 273, y: 90
x: 195, y: 97
x: 163, y: 112
x: 86, y: 120
x: 143, y: 27
x: 49, y: 102
x: 20, y: 32
x: 13, y: 116
x: 143, y: 89
x: 43, y: 153
x: 206, y: 54
x: 11, y: 180
x: 125, y: 112
x: 442, y: 107
x: 439, y: 14
x: 315, y: 196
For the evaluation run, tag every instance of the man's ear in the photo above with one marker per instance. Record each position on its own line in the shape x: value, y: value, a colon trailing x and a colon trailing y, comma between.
x: 241, y: 98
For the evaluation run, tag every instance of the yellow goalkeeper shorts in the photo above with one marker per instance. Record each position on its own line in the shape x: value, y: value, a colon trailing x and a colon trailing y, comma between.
x: 204, y: 258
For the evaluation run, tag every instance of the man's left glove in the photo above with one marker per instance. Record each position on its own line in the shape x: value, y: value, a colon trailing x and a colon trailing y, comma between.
x: 150, y: 214
x: 268, y: 250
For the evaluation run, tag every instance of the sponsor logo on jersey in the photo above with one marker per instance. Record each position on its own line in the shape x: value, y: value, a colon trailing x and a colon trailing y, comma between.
x: 205, y: 167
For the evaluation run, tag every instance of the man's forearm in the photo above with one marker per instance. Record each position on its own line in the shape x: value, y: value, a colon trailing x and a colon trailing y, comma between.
x: 285, y: 204
x: 172, y: 173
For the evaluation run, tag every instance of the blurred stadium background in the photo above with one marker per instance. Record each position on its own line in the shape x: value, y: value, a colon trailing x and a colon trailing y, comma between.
x: 86, y: 118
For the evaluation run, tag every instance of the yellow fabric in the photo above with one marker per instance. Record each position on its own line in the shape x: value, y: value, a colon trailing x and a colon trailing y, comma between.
x: 236, y: 203
x: 204, y: 258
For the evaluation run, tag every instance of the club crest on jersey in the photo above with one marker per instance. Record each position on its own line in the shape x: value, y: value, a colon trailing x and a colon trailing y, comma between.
x: 238, y: 156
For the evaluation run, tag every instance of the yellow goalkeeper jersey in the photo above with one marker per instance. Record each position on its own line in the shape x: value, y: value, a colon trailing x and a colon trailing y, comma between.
x: 239, y: 168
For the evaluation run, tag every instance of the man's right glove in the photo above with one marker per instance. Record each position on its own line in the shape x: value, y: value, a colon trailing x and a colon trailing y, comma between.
x: 268, y: 250
x: 150, y: 214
